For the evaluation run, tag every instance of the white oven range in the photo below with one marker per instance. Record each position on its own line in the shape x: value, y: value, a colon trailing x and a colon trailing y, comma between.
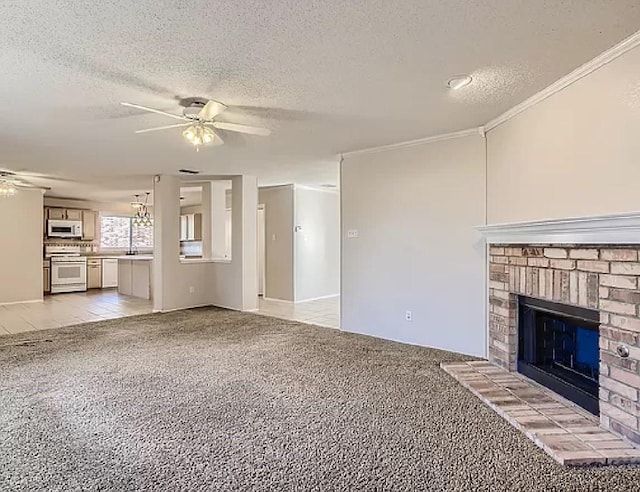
x: 68, y: 269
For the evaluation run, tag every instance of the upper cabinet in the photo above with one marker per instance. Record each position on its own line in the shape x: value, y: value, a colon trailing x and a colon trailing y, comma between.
x: 89, y: 225
x: 74, y: 214
x: 89, y: 219
x: 64, y: 214
x: 56, y: 213
x: 191, y: 227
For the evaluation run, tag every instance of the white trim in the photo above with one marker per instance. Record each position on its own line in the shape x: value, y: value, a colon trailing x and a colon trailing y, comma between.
x: 582, y: 71
x: 13, y: 303
x: 317, y: 298
x: 154, y: 311
x: 435, y: 138
x: 271, y: 299
x: 604, y: 229
x: 317, y: 188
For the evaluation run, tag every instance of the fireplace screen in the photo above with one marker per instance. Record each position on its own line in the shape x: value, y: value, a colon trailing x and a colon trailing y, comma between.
x: 558, y: 347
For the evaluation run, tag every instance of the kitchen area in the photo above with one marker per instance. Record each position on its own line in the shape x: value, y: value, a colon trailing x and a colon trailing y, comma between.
x: 88, y: 250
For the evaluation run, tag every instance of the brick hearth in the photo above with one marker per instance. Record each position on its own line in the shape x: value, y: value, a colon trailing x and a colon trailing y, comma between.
x: 604, y: 278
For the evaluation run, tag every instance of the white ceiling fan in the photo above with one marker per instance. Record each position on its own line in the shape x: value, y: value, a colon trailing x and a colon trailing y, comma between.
x: 200, y: 119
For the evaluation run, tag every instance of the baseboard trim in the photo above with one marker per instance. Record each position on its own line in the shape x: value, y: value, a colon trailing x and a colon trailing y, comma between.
x: 13, y: 303
x: 277, y: 300
x: 181, y: 308
x: 317, y: 298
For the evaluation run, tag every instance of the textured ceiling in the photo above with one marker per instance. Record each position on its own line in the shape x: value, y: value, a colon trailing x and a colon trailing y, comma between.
x: 326, y: 76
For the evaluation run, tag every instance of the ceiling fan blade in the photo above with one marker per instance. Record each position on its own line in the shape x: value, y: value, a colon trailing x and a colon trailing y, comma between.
x: 211, y: 110
x: 22, y: 184
x: 252, y: 130
x: 144, y: 108
x: 166, y: 127
x: 217, y: 140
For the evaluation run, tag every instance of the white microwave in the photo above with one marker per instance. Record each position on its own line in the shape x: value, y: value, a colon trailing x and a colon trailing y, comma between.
x: 64, y: 228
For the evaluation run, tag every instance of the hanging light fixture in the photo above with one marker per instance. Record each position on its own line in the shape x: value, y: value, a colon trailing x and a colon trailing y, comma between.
x: 7, y: 187
x: 142, y: 217
x: 198, y: 135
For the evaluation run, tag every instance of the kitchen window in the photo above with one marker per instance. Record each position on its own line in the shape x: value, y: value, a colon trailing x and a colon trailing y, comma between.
x: 120, y: 233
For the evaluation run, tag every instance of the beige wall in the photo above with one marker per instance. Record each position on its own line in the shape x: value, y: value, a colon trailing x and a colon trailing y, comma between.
x: 317, y: 243
x: 415, y: 209
x: 278, y: 208
x: 179, y: 284
x: 576, y: 153
x: 21, y: 231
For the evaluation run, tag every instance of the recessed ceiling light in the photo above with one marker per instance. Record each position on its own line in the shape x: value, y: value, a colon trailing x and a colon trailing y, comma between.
x: 459, y: 82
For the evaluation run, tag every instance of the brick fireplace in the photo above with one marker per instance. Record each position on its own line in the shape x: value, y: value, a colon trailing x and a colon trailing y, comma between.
x: 604, y: 278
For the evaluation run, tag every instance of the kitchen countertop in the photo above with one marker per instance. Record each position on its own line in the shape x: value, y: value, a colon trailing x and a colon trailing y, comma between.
x: 135, y: 257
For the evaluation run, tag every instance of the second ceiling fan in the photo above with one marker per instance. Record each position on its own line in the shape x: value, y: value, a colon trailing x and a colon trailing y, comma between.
x: 200, y: 119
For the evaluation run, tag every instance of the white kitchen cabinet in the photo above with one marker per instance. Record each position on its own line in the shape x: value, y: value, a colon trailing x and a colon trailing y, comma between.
x: 109, y: 273
x: 184, y: 227
x: 191, y: 227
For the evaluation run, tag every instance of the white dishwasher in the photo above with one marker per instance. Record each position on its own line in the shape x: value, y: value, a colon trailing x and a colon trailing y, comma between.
x: 109, y: 273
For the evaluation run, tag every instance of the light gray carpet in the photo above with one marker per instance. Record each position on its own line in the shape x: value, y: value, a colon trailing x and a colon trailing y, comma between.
x: 210, y: 399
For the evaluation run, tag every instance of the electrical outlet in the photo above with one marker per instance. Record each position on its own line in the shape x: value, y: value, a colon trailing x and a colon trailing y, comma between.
x: 408, y: 316
x: 192, y: 289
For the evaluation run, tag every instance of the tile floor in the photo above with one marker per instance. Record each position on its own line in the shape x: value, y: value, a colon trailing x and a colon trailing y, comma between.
x: 70, y: 309
x: 81, y: 307
x: 566, y: 432
x: 323, y: 312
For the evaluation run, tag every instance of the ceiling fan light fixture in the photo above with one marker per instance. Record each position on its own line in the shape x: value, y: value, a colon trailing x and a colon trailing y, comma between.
x: 459, y: 82
x: 7, y: 188
x: 199, y: 134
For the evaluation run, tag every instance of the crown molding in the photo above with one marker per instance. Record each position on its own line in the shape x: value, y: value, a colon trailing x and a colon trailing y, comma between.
x: 410, y: 143
x: 603, y: 229
x: 591, y: 66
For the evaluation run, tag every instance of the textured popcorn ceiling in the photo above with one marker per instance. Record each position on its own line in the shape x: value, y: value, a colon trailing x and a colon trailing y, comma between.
x: 326, y: 76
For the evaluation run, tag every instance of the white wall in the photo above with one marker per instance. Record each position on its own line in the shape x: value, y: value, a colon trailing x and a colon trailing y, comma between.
x: 231, y: 284
x: 317, y: 243
x: 279, y: 211
x: 21, y: 247
x: 576, y: 153
x: 415, y: 209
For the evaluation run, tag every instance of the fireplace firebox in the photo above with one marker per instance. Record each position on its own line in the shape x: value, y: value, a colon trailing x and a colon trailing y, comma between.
x: 558, y: 348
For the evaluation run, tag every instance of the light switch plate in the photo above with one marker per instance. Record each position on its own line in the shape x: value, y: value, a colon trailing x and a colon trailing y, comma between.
x: 352, y: 233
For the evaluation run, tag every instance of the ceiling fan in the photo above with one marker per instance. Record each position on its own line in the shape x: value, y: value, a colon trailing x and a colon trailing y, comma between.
x: 200, y: 119
x: 10, y: 183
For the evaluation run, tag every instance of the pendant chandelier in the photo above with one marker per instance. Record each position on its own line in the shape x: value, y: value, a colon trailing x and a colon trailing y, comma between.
x: 142, y: 217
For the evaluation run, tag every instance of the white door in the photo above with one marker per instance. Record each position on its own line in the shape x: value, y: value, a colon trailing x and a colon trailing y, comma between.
x: 261, y: 251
